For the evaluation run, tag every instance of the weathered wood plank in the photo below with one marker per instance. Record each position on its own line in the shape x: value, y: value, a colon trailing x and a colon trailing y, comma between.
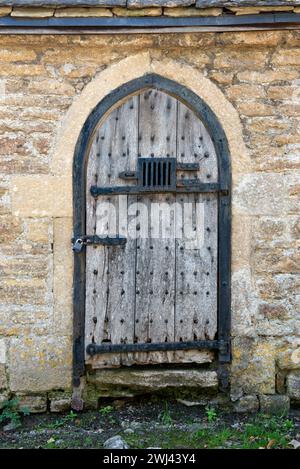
x: 195, y: 146
x: 111, y: 300
x: 155, y: 272
x: 196, y: 251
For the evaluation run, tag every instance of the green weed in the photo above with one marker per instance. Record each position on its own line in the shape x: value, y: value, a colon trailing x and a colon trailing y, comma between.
x: 12, y: 413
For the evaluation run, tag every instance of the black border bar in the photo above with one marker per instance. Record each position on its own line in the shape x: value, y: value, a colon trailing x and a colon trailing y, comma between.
x: 94, y: 349
x: 270, y: 21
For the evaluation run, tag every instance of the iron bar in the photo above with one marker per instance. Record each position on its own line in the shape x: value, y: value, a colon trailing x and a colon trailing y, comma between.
x: 136, y: 190
x: 95, y: 349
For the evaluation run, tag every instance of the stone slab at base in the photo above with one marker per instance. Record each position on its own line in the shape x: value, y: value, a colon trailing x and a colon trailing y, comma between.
x: 34, y: 404
x: 274, y: 404
x: 246, y: 404
x: 132, y: 382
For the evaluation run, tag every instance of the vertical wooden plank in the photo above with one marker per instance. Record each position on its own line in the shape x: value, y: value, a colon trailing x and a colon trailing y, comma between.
x: 110, y: 295
x: 195, y: 146
x: 196, y: 265
x: 155, y: 268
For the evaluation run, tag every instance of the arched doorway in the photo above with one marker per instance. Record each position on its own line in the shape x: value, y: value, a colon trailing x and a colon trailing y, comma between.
x: 151, y: 230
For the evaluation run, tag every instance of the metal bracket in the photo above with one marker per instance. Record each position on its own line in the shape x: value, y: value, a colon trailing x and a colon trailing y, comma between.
x: 128, y: 175
x: 223, y: 377
x: 79, y: 243
x: 224, y: 351
x: 187, y: 166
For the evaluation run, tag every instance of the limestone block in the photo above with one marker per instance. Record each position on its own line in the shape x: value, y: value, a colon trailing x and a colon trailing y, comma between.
x: 237, y: 59
x: 3, y: 377
x: 63, y: 276
x: 272, y: 198
x: 113, y: 382
x: 253, y: 366
x: 245, y: 92
x: 286, y: 57
x: 289, y: 359
x: 17, y: 54
x: 276, y: 404
x: 243, y: 3
x: 246, y: 404
x: 259, y: 9
x: 118, y: 11
x: 60, y: 405
x: 293, y: 385
x: 244, y: 302
x: 5, y: 11
x: 3, y: 397
x: 267, y: 76
x: 272, y: 311
x: 182, y: 12
x: 39, y: 232
x: 32, y: 12
x: 10, y: 228
x: 40, y: 364
x: 35, y: 404
x: 158, y: 3
x: 33, y: 196
x: 254, y: 38
x: 60, y: 401
x: 2, y: 351
x: 82, y: 12
x: 23, y: 291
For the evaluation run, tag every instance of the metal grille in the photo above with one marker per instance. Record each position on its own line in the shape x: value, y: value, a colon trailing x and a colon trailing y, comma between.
x: 157, y: 173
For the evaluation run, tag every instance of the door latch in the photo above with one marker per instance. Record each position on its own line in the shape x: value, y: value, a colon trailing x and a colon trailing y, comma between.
x: 79, y: 243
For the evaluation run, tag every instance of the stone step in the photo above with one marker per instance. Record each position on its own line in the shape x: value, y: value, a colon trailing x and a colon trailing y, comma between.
x: 132, y: 381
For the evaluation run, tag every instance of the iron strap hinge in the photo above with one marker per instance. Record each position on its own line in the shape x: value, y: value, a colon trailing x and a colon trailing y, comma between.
x: 79, y: 243
x: 94, y: 349
x: 188, y: 186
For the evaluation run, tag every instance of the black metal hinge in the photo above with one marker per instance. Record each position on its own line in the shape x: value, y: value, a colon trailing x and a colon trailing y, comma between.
x: 94, y: 349
x: 224, y: 351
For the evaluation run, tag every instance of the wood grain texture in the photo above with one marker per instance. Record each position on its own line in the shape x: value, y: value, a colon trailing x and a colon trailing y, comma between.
x: 156, y: 288
x: 110, y: 297
x: 196, y: 251
x: 155, y: 281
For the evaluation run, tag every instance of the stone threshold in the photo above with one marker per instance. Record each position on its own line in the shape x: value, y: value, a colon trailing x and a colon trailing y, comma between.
x: 139, y: 10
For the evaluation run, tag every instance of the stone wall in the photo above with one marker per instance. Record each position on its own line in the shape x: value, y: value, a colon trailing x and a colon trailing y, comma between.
x: 48, y: 85
x: 173, y: 8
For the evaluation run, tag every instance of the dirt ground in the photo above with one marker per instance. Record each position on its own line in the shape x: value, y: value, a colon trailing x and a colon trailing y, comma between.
x: 154, y: 423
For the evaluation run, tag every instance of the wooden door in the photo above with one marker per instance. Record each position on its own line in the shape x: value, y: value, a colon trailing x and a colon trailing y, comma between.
x: 161, y: 285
